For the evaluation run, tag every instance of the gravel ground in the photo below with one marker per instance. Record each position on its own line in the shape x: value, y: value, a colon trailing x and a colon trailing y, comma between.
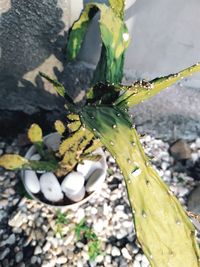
x: 32, y: 235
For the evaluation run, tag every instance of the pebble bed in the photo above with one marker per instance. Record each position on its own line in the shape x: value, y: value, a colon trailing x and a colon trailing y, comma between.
x: 29, y: 234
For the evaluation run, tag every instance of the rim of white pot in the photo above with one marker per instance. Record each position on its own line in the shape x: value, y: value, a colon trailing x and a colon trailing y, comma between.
x: 74, y: 205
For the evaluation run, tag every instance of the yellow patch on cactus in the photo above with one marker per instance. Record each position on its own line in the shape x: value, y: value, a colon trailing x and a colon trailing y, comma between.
x: 73, y: 126
x: 12, y: 162
x: 35, y: 133
x: 73, y: 117
x: 59, y: 126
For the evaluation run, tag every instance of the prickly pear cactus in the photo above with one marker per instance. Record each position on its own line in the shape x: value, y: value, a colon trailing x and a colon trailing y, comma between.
x: 143, y: 90
x: 163, y: 229
x: 114, y: 35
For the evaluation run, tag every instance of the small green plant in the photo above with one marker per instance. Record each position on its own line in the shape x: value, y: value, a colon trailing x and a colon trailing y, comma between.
x: 83, y: 231
x: 60, y: 220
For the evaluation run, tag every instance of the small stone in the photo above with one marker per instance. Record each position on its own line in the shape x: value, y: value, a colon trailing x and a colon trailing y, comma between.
x: 108, y: 259
x: 33, y: 259
x: 128, y: 224
x: 31, y: 181
x: 46, y: 246
x: 61, y: 260
x: 182, y: 191
x: 68, y: 239
x: 115, y: 252
x: 145, y: 260
x: 95, y: 180
x: 126, y: 254
x: 88, y: 167
x: 19, y: 256
x: 99, y: 258
x: 38, y: 250
x: 4, y: 253
x: 79, y: 264
x: 136, y: 264
x: 80, y: 214
x: 18, y: 219
x: 11, y: 240
x: 50, y: 187
x: 98, y: 226
x: 85, y: 255
x: 180, y: 150
x: 138, y: 257
x: 3, y: 203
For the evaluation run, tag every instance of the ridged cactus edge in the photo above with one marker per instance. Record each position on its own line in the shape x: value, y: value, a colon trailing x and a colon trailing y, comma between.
x: 163, y: 229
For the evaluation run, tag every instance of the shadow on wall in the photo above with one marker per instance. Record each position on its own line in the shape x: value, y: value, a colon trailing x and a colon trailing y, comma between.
x: 30, y: 34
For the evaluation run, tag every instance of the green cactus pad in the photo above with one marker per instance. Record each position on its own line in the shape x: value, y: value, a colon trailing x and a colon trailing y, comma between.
x: 163, y: 229
x: 141, y: 91
x: 115, y: 40
x: 118, y: 7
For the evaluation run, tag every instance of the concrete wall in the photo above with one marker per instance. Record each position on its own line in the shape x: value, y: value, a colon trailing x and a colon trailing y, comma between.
x: 165, y: 39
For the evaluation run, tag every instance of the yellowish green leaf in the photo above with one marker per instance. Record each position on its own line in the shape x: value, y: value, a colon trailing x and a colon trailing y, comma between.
x: 12, y: 162
x: 59, y: 126
x: 35, y: 133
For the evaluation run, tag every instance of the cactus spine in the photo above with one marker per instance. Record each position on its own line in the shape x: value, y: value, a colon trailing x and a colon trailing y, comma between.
x: 163, y: 228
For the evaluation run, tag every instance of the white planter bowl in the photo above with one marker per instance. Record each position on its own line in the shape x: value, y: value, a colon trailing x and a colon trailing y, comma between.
x: 53, y: 140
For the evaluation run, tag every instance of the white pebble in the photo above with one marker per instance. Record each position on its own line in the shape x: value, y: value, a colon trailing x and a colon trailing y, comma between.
x: 31, y: 181
x: 38, y: 250
x: 61, y: 260
x: 46, y: 246
x: 19, y: 256
x: 98, y: 226
x: 115, y: 252
x: 50, y: 187
x: 126, y: 254
x: 182, y: 191
x: 72, y: 183
x: 145, y: 260
x: 136, y: 264
x: 99, y: 258
x: 87, y: 167
x: 138, y: 257
x: 95, y: 180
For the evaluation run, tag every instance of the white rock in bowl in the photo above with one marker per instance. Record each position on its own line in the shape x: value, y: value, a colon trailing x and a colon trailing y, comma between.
x: 53, y: 141
x: 87, y: 167
x: 35, y: 157
x: 78, y: 196
x: 73, y: 183
x: 31, y: 181
x: 50, y: 187
x: 95, y: 180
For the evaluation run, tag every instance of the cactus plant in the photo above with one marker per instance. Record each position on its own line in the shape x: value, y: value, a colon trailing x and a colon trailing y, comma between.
x: 163, y: 229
